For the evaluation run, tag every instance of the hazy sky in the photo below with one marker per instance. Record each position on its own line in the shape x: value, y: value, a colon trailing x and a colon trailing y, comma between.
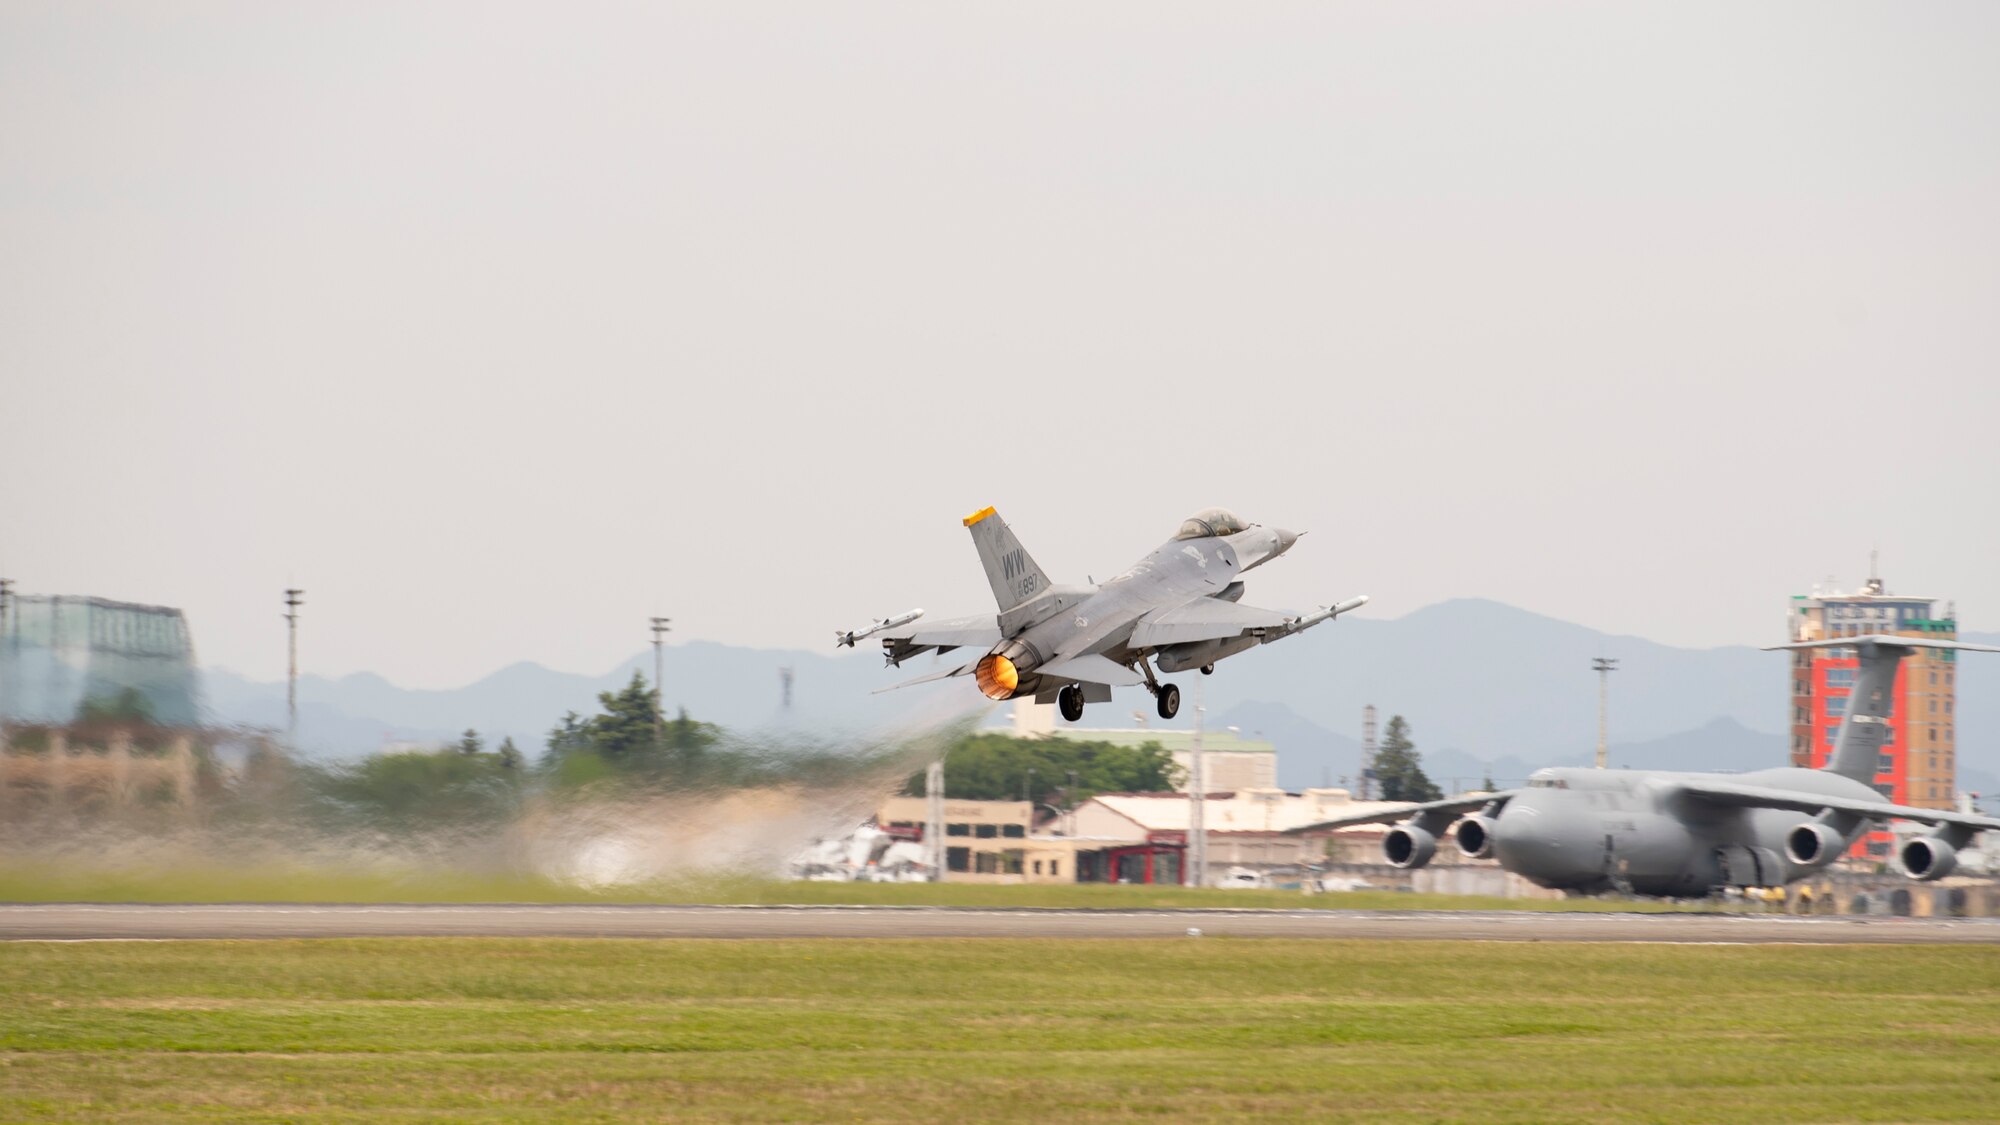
x: 499, y: 328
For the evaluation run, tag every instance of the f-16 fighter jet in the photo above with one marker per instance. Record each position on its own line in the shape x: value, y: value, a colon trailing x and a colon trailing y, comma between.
x: 1070, y: 645
x: 1652, y: 832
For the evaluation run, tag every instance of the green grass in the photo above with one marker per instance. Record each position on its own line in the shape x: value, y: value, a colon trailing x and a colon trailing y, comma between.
x: 55, y: 882
x: 464, y: 1030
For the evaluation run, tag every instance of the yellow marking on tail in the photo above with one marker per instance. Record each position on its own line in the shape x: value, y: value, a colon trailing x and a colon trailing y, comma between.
x: 977, y: 516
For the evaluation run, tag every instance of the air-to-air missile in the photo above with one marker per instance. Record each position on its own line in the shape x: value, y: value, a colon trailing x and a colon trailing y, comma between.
x: 848, y: 637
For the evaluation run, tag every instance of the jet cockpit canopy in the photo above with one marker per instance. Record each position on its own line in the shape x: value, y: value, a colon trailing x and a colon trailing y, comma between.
x: 1210, y: 522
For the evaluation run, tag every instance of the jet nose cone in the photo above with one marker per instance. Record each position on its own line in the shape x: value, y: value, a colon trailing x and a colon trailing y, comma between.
x: 1285, y: 539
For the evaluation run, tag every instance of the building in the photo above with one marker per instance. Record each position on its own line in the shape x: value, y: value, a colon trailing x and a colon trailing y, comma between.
x: 1918, y: 765
x: 61, y: 655
x: 1247, y: 828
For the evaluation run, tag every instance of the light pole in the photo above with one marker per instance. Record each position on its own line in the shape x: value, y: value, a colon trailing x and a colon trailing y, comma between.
x: 1603, y: 667
x: 1197, y: 813
x: 293, y: 600
x: 660, y: 631
x: 6, y: 667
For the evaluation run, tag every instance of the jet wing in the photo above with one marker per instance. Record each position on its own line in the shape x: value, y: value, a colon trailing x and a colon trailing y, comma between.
x: 1761, y: 797
x: 1438, y: 813
x: 1202, y: 619
x: 905, y: 641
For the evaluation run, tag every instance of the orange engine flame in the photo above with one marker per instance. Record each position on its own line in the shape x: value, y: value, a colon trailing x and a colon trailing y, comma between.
x: 997, y: 676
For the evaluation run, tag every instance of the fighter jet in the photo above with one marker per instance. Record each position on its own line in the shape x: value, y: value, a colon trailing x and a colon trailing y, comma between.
x: 1653, y: 832
x: 1070, y: 645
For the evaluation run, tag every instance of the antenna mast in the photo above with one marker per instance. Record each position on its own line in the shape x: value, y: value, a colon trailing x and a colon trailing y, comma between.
x: 1603, y: 667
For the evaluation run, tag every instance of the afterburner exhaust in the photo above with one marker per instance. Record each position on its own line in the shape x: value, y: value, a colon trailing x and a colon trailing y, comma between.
x: 997, y: 676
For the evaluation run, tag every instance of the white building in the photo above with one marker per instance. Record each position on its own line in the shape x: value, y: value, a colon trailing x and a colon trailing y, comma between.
x: 1246, y: 827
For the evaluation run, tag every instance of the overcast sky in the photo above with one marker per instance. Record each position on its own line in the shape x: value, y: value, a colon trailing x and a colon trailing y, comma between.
x: 499, y: 328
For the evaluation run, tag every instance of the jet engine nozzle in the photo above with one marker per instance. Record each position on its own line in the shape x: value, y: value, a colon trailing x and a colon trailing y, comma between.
x: 1813, y: 844
x: 1408, y: 846
x: 1474, y: 836
x: 1006, y: 672
x: 1927, y: 858
x: 997, y: 676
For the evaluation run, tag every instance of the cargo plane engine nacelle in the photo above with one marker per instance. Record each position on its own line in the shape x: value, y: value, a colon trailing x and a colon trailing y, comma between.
x: 1408, y: 846
x: 1813, y: 844
x: 1928, y: 857
x: 1474, y: 836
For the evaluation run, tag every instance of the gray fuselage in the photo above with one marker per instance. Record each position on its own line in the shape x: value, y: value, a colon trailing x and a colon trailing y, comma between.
x: 1589, y: 830
x: 1075, y: 620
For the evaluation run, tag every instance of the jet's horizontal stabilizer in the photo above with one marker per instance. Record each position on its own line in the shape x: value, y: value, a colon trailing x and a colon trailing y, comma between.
x: 945, y: 675
x: 1091, y: 669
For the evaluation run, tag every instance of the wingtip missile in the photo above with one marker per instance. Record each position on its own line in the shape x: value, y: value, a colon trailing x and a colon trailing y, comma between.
x: 1327, y: 613
x: 845, y: 638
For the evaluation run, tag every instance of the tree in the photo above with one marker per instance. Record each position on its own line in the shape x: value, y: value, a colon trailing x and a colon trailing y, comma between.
x: 470, y: 743
x: 565, y: 738
x: 996, y: 767
x: 1486, y: 785
x: 1399, y: 769
x: 625, y: 732
x: 510, y: 757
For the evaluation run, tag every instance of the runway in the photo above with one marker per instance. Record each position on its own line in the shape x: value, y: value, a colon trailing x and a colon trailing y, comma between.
x: 76, y: 922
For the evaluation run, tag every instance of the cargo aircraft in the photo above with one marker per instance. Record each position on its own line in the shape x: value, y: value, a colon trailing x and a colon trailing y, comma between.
x: 1070, y: 645
x: 1653, y: 832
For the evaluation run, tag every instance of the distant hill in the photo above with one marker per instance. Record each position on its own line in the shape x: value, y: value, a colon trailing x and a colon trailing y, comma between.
x: 1484, y: 685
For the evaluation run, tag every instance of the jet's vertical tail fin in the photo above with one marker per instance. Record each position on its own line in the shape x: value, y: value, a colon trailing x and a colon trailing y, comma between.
x: 1013, y: 575
x: 1857, y: 747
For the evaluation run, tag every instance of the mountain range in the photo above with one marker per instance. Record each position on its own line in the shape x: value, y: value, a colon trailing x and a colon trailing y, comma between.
x: 1488, y: 689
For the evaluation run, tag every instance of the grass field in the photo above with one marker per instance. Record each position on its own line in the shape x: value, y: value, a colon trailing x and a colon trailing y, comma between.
x: 972, y: 1031
x: 54, y: 882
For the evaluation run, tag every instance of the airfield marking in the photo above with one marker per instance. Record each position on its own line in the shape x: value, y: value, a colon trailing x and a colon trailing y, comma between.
x: 82, y: 921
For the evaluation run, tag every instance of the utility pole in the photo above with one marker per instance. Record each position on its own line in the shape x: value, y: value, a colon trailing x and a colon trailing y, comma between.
x: 934, y: 819
x: 1603, y: 667
x: 1368, y: 748
x: 660, y: 630
x: 293, y: 600
x: 1197, y: 813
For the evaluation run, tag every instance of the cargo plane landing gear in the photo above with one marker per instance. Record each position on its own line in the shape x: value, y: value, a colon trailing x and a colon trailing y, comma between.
x: 1069, y: 701
x: 1167, y: 697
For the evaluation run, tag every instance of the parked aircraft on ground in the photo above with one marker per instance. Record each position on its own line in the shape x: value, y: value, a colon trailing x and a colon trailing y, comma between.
x: 1683, y: 834
x: 1071, y: 645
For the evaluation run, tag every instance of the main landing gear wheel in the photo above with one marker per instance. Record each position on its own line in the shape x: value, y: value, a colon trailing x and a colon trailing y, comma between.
x: 1170, y: 701
x: 1070, y: 702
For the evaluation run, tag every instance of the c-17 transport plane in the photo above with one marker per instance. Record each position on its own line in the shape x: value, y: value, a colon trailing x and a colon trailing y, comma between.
x: 1071, y: 645
x: 1654, y: 832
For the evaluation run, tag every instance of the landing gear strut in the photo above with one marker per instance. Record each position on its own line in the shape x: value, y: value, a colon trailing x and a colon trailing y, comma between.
x: 1167, y: 696
x: 1069, y: 701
